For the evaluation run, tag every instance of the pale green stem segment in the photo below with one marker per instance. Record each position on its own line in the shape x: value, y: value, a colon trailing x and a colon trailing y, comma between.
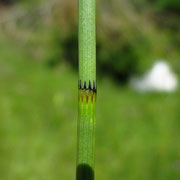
x: 87, y: 90
x: 87, y: 41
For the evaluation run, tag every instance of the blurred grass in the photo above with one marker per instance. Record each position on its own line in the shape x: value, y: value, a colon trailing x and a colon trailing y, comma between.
x: 137, y: 134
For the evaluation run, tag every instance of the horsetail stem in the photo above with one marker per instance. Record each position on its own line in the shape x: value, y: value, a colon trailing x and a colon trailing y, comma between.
x: 87, y: 91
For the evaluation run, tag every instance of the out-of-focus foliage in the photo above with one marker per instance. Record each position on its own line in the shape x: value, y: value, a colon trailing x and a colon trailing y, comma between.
x: 6, y: 1
x: 167, y: 5
x: 160, y: 5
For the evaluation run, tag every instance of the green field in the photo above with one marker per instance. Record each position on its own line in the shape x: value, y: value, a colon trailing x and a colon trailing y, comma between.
x: 137, y: 137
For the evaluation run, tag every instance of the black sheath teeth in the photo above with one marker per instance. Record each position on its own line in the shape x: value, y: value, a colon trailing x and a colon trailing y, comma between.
x: 89, y: 84
x: 84, y: 86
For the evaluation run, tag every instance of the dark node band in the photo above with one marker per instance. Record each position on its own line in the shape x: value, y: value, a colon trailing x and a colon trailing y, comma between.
x: 84, y: 86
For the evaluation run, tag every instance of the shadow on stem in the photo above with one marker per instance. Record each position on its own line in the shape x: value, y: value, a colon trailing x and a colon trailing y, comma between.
x: 84, y: 172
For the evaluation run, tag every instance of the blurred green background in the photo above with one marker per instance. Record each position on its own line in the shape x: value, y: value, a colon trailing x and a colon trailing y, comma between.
x: 138, y: 135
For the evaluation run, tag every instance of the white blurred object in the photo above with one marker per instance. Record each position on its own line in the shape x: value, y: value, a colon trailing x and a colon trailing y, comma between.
x: 159, y: 78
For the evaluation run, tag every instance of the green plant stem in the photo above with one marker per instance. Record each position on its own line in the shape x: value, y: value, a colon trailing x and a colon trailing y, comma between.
x: 87, y: 91
x: 87, y: 41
